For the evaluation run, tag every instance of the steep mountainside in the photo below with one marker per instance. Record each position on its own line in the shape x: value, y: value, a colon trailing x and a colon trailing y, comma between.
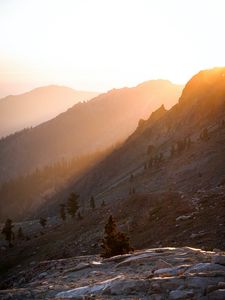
x: 84, y: 128
x: 166, y: 188
x: 37, y: 106
x: 180, y: 150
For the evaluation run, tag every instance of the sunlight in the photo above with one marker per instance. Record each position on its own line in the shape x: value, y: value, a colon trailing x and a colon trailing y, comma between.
x: 98, y: 45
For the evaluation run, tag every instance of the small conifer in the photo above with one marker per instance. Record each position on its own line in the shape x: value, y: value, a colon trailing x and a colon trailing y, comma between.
x: 20, y: 234
x: 43, y: 222
x: 72, y: 204
x: 7, y: 232
x: 114, y: 242
x: 62, y: 212
x: 92, y: 203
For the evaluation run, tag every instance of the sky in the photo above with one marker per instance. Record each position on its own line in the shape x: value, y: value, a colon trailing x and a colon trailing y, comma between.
x: 98, y: 45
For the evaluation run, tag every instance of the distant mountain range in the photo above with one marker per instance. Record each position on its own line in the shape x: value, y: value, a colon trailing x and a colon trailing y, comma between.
x: 37, y: 106
x: 84, y: 128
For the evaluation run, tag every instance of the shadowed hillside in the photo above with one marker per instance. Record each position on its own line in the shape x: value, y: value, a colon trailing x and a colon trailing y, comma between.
x: 84, y: 128
x: 25, y: 194
x: 37, y: 106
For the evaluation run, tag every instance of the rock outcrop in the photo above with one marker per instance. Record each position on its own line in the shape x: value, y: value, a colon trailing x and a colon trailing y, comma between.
x: 160, y: 273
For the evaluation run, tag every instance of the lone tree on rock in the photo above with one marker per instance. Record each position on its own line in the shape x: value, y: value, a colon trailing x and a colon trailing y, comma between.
x: 114, y: 242
x: 62, y: 212
x: 43, y: 222
x: 72, y: 204
x: 7, y: 231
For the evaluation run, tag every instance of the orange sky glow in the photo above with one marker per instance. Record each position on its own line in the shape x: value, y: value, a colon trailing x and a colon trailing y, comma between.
x: 97, y: 44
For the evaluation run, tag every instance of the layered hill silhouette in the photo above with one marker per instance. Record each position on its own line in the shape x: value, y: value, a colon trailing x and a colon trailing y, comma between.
x: 84, y: 128
x: 37, y: 106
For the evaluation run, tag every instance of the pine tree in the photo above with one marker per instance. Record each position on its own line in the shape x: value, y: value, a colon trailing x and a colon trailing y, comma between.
x: 223, y: 124
x: 20, y: 234
x: 131, y: 178
x: 43, y: 222
x: 188, y: 140
x: 103, y: 203
x: 114, y: 242
x: 7, y: 231
x: 72, y: 204
x: 92, y: 202
x: 80, y: 217
x: 62, y: 212
x: 204, y: 136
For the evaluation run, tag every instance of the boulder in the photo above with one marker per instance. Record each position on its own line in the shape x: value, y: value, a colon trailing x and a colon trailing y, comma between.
x: 78, y: 267
x: 162, y: 285
x: 137, y: 259
x: 162, y: 264
x: 95, y: 289
x: 219, y: 259
x: 181, y: 294
x: 127, y: 287
x: 168, y: 272
x: 184, y: 217
x: 205, y: 267
x: 202, y: 283
x: 221, y: 285
x: 217, y: 295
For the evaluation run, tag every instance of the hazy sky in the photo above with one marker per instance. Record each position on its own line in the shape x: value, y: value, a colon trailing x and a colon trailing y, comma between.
x: 101, y: 44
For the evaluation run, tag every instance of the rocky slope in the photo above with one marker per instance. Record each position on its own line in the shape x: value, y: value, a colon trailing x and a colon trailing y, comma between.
x: 168, y: 151
x: 37, y: 106
x: 157, y: 274
x: 166, y: 187
x: 84, y: 128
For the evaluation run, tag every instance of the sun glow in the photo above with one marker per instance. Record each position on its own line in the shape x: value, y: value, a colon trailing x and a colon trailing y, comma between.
x: 98, y: 44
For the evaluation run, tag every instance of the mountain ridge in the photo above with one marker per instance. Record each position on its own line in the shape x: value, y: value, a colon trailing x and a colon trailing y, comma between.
x: 96, y: 124
x: 184, y: 120
x: 36, y: 106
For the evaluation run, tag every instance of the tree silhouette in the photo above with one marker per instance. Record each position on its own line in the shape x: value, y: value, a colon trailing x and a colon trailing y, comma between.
x: 80, y: 217
x: 131, y: 178
x: 43, y: 222
x: 114, y: 242
x: 20, y: 234
x: 204, y: 136
x: 72, y: 204
x: 92, y: 202
x: 62, y: 212
x: 7, y: 231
